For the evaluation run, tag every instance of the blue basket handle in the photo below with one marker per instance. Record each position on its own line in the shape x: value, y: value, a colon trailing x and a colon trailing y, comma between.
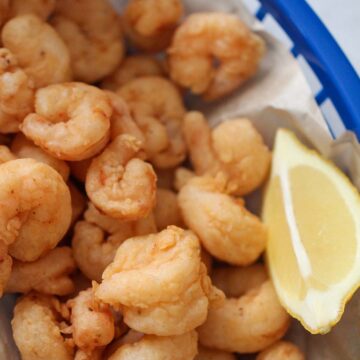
x: 311, y: 38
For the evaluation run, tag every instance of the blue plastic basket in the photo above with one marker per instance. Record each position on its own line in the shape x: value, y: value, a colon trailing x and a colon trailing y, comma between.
x: 340, y: 84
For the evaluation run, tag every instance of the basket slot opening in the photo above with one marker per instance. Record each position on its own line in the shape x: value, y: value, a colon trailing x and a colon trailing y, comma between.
x: 261, y: 13
x: 272, y: 26
x: 321, y: 96
x: 252, y: 5
x: 335, y: 124
x: 312, y: 79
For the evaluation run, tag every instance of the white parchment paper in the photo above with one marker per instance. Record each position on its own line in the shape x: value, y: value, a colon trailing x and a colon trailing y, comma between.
x: 278, y: 96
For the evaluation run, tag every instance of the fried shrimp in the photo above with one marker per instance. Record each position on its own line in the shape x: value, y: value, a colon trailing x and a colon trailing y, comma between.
x: 165, y: 178
x: 41, y: 8
x: 150, y: 24
x: 119, y: 184
x: 47, y: 275
x: 212, y: 54
x: 246, y: 324
x: 167, y: 210
x: 132, y: 67
x: 130, y: 337
x: 5, y: 267
x: 158, y: 109
x: 121, y: 120
x: 112, y: 225
x: 4, y: 10
x: 6, y: 154
x: 211, y: 354
x: 207, y: 260
x: 226, y: 229
x: 78, y: 202
x: 282, y: 350
x: 235, y: 281
x: 26, y: 149
x: 93, y: 251
x: 16, y: 93
x: 181, y: 177
x: 34, y: 201
x: 91, y: 30
x: 234, y: 148
x: 37, y: 325
x: 159, y: 283
x: 71, y: 121
x: 92, y: 323
x: 39, y: 49
x: 96, y: 240
x: 95, y: 354
x: 181, y: 347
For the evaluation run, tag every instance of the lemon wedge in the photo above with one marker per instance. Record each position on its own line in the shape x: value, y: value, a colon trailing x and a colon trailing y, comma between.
x: 313, y: 216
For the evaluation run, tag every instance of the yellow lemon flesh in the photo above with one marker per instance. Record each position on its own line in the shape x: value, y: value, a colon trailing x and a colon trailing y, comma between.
x: 312, y: 212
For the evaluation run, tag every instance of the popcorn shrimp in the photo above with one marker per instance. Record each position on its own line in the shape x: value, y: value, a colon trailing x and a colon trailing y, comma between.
x: 34, y: 201
x: 282, y: 350
x: 39, y: 49
x: 16, y: 93
x: 165, y: 178
x: 150, y: 24
x: 5, y: 267
x: 71, y: 120
x: 226, y: 229
x: 131, y: 68
x: 112, y: 225
x: 121, y: 120
x: 95, y: 354
x: 37, y: 326
x: 159, y: 283
x: 91, y: 30
x: 4, y: 10
x: 156, y: 138
x: 128, y: 337
x: 158, y: 109
x: 24, y: 148
x: 92, y: 323
x: 6, y: 154
x: 207, y: 260
x: 167, y: 210
x: 78, y: 202
x: 235, y: 281
x: 182, y: 176
x: 211, y: 354
x: 47, y: 275
x: 41, y: 8
x: 94, y: 250
x: 246, y: 324
x: 234, y: 148
x: 119, y: 184
x: 205, y: 37
x: 180, y: 347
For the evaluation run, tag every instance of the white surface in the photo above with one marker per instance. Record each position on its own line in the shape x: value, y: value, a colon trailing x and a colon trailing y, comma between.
x: 342, y: 18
